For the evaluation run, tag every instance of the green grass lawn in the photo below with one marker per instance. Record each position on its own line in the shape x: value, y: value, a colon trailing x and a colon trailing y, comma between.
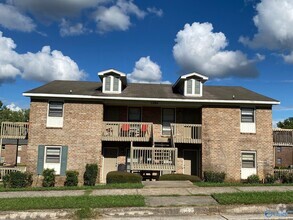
x: 100, y: 186
x: 71, y: 202
x: 254, y: 198
x: 208, y: 184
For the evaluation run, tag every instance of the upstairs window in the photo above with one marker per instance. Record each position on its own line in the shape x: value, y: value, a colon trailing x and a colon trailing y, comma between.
x: 55, y: 109
x: 247, y: 115
x: 134, y: 114
x: 111, y: 84
x: 192, y: 87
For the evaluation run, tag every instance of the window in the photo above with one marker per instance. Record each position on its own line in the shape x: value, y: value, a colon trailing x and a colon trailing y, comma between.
x: 55, y: 109
x: 3, y: 146
x: 279, y: 161
x: 111, y: 84
x: 134, y: 114
x: 247, y: 115
x: 168, y: 117
x: 279, y: 149
x: 52, y: 155
x: 248, y: 160
x: 192, y: 87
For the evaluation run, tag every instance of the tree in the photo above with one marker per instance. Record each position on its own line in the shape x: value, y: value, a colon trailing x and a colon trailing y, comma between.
x: 14, y: 116
x: 286, y: 124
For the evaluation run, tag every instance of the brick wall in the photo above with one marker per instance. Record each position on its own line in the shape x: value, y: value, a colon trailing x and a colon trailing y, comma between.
x: 222, y: 141
x: 81, y: 132
x: 10, y: 154
x: 286, y: 156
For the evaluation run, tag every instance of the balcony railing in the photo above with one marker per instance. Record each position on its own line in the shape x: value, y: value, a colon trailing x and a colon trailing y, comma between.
x: 14, y: 130
x: 186, y: 133
x: 153, y: 158
x: 283, y: 137
x: 127, y: 131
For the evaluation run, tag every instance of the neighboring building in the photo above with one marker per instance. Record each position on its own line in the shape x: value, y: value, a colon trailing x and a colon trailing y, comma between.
x: 13, y: 152
x: 185, y: 128
x: 283, y: 147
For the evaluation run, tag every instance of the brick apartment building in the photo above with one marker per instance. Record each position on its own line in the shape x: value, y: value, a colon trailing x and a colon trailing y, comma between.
x: 186, y: 127
x: 283, y: 148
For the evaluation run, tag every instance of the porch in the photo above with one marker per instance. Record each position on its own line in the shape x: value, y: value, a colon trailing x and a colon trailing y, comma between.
x: 14, y: 130
x: 283, y: 137
x: 186, y: 133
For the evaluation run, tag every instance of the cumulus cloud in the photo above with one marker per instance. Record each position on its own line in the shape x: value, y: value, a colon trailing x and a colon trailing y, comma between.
x: 146, y: 71
x: 200, y: 49
x: 43, y: 66
x: 13, y: 107
x: 69, y: 29
x: 274, y: 22
x: 116, y: 17
x: 12, y: 19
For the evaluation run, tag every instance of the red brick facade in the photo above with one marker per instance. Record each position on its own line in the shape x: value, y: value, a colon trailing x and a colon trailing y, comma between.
x: 283, y: 156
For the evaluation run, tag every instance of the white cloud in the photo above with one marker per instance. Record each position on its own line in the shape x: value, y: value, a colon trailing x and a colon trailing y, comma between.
x: 69, y: 29
x: 13, y: 107
x: 44, y: 66
x: 274, y: 22
x: 288, y: 58
x: 146, y: 71
x: 200, y: 49
x: 13, y: 19
x: 154, y: 10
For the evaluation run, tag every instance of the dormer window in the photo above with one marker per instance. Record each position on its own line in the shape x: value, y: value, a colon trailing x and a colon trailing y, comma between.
x: 113, y: 81
x: 192, y: 87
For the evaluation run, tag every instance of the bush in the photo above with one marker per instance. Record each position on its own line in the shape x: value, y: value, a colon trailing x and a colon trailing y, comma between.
x: 17, y: 180
x: 270, y: 178
x: 49, y: 178
x: 253, y: 179
x: 180, y: 177
x: 287, y: 178
x: 123, y: 177
x: 214, y: 177
x: 90, y: 174
x: 71, y: 178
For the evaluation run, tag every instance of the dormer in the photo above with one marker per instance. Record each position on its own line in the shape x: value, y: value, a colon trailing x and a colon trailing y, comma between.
x: 190, y: 84
x: 113, y: 81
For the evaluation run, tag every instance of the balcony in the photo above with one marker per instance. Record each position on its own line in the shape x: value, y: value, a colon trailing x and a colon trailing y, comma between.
x: 127, y: 131
x: 283, y: 137
x: 186, y: 133
x: 14, y: 130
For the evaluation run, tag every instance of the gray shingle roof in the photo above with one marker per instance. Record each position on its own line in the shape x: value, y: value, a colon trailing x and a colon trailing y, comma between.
x: 135, y: 90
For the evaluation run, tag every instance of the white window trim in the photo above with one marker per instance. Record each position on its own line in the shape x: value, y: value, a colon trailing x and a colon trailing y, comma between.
x: 248, y: 127
x: 111, y: 85
x: 55, y: 122
x: 193, y: 88
x: 55, y: 166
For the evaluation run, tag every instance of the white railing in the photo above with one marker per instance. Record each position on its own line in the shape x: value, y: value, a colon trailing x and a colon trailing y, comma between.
x: 280, y: 172
x: 153, y: 158
x: 7, y: 170
x: 14, y: 130
x: 283, y: 137
x: 186, y: 133
x: 127, y: 131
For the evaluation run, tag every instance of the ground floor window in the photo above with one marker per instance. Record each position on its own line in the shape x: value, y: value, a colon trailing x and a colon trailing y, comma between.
x: 248, y: 160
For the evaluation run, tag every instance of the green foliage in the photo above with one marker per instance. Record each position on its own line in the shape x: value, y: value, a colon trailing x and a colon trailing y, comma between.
x: 253, y: 179
x: 71, y: 178
x: 90, y: 174
x: 84, y: 213
x: 123, y: 177
x: 17, y: 180
x: 269, y: 178
x: 180, y: 177
x: 286, y: 124
x: 214, y: 177
x: 287, y: 178
x: 49, y: 178
x: 13, y: 116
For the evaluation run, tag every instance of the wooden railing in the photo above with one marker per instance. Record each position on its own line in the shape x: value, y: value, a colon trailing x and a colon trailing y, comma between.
x: 153, y: 158
x: 7, y: 170
x: 127, y: 131
x: 186, y: 133
x: 283, y: 137
x: 14, y: 130
x: 281, y: 172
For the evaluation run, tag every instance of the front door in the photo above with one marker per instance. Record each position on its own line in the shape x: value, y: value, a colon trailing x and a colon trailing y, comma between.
x: 191, y: 162
x: 110, y: 161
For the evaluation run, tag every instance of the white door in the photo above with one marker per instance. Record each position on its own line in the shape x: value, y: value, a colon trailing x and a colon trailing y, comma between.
x: 110, y: 161
x: 248, y: 163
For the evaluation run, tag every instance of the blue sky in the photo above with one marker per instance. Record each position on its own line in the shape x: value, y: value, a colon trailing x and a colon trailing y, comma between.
x: 235, y: 42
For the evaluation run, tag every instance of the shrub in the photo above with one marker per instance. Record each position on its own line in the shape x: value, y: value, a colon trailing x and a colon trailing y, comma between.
x: 71, y: 178
x: 287, y: 178
x: 49, y: 178
x: 214, y: 177
x: 17, y: 179
x: 180, y: 177
x: 270, y: 178
x: 123, y: 177
x: 90, y: 174
x: 253, y: 179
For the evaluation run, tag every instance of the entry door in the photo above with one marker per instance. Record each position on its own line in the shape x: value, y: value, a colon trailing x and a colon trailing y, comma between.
x: 168, y: 117
x: 110, y: 161
x: 191, y: 162
x: 248, y: 166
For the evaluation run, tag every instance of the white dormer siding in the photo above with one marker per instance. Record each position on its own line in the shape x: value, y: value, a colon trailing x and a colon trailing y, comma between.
x: 192, y: 87
x: 111, y: 84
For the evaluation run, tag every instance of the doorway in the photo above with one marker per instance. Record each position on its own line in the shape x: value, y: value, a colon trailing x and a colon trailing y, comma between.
x: 110, y: 160
x: 191, y: 162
